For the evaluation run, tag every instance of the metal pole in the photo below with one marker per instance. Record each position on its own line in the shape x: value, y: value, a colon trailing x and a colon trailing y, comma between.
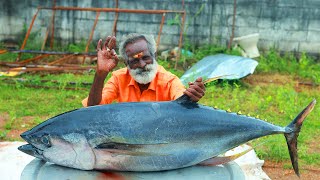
x: 114, y: 29
x: 114, y: 10
x: 91, y: 35
x: 160, y: 31
x: 98, y: 10
x: 182, y: 2
x: 233, y: 23
x: 53, y: 52
x: 27, y: 34
x: 45, y: 39
x: 2, y: 51
x: 52, y: 25
x: 180, y: 40
x: 32, y: 59
x: 52, y: 68
x: 61, y: 59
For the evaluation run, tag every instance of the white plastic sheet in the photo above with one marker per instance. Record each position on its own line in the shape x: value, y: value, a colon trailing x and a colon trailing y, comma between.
x: 228, y: 66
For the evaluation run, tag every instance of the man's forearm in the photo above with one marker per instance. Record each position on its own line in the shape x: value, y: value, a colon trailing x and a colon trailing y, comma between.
x: 95, y: 94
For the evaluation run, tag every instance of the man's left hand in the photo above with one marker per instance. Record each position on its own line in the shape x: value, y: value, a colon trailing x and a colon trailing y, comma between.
x: 196, y: 90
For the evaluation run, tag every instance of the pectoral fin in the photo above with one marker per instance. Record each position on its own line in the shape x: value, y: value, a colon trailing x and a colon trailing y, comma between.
x: 222, y: 159
x: 127, y: 149
x: 126, y: 152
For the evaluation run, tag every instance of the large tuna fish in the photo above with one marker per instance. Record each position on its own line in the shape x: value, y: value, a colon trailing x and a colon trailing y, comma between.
x: 149, y: 136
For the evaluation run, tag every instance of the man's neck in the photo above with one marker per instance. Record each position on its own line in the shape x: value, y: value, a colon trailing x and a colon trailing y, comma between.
x: 143, y: 87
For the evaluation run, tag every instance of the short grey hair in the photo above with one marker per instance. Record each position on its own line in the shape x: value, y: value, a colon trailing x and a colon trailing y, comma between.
x: 131, y: 38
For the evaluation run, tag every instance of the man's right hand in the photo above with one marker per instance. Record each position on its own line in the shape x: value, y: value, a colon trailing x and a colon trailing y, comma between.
x: 107, y: 56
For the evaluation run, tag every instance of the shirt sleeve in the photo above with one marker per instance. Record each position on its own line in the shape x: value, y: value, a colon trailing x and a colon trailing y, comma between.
x: 110, y: 92
x: 177, y: 88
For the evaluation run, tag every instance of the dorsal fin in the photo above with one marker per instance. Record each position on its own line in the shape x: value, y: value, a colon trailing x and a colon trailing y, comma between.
x: 185, y: 101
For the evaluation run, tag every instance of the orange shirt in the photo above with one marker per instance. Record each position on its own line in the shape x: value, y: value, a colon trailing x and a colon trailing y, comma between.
x: 121, y: 87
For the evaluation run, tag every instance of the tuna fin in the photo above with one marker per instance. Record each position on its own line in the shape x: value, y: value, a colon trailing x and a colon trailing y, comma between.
x: 186, y: 101
x: 126, y: 149
x: 127, y: 152
x: 223, y: 159
x: 292, y: 133
x: 124, y: 146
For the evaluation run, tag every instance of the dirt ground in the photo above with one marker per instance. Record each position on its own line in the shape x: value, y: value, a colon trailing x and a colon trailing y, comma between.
x: 275, y: 170
x: 267, y: 79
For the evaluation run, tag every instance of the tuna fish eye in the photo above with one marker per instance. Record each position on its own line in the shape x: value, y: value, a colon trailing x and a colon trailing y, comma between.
x: 45, y: 140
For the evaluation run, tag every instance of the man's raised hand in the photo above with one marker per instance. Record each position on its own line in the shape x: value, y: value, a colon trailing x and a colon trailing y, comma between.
x: 107, y: 56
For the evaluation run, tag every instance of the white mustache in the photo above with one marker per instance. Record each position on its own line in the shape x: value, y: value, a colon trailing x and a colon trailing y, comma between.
x: 144, y: 75
x: 146, y: 69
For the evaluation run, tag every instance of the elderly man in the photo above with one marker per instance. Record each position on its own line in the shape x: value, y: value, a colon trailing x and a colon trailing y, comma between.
x: 142, y: 80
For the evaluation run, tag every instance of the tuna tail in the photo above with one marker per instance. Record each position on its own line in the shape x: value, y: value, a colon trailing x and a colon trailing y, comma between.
x: 292, y: 133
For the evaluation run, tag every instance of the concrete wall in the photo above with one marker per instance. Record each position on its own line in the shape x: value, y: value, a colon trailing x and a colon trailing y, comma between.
x: 287, y: 25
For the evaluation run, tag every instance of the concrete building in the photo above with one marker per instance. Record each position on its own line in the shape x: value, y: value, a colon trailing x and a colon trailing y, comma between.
x: 286, y: 25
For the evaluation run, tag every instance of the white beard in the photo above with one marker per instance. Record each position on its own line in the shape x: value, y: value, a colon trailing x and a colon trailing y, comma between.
x: 145, y: 75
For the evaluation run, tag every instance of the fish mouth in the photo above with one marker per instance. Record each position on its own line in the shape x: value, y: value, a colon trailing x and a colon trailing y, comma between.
x: 26, y: 136
x: 31, y: 150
